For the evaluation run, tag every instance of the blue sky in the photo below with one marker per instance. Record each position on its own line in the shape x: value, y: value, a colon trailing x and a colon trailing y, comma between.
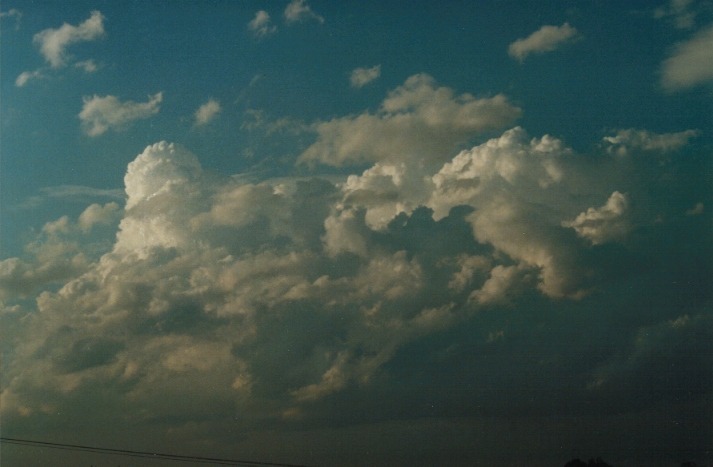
x: 312, y: 232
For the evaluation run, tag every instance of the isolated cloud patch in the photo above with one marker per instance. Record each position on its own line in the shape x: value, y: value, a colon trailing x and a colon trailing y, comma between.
x: 298, y: 11
x: 690, y: 64
x: 360, y: 77
x: 261, y: 26
x: 53, y: 43
x: 25, y: 77
x: 642, y: 140
x: 207, y: 112
x: 419, y: 121
x: 545, y: 39
x: 100, y: 114
x: 12, y: 13
x: 88, y: 66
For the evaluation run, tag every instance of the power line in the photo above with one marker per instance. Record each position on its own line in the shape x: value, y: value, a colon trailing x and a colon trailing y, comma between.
x: 145, y: 454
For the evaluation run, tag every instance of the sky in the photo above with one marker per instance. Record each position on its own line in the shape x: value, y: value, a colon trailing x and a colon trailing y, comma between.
x: 357, y: 233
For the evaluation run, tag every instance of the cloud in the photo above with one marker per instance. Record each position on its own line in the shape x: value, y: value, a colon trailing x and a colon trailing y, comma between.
x: 261, y: 25
x: 360, y: 77
x: 696, y: 210
x: 642, y: 140
x: 53, y: 43
x: 63, y: 250
x: 96, y: 214
x: 545, y: 39
x: 604, y: 224
x: 12, y: 13
x: 501, y: 283
x: 426, y: 283
x: 508, y: 179
x: 417, y: 121
x: 679, y: 11
x: 661, y: 359
x: 24, y: 77
x: 298, y: 11
x: 73, y: 193
x: 88, y: 66
x: 257, y: 120
x: 690, y: 64
x: 100, y: 114
x: 207, y: 112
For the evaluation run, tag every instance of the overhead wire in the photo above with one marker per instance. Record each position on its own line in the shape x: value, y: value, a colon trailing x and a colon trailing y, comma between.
x: 143, y: 454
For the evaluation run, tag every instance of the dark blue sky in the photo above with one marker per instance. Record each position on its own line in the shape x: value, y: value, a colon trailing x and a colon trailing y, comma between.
x: 350, y: 233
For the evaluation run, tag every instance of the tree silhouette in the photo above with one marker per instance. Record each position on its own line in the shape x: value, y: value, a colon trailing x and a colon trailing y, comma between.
x: 598, y: 462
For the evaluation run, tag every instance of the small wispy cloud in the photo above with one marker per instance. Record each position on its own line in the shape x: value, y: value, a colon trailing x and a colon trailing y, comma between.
x: 12, y: 13
x: 634, y: 139
x: 25, y: 77
x: 53, y: 43
x: 72, y: 193
x: 678, y: 11
x: 545, y: 39
x: 362, y: 76
x: 261, y: 26
x: 298, y: 11
x: 88, y: 66
x: 696, y: 210
x: 207, y: 112
x: 100, y: 114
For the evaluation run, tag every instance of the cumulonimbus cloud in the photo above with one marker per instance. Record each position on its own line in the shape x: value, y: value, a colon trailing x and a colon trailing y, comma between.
x: 247, y: 262
x: 545, y: 39
x: 100, y: 114
x: 278, y: 298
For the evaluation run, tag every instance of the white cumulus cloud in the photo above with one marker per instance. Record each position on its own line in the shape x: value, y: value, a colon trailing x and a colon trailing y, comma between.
x: 207, y: 112
x: 545, y: 39
x: 53, y: 43
x: 605, y: 223
x: 362, y: 76
x: 419, y: 120
x: 100, y: 114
